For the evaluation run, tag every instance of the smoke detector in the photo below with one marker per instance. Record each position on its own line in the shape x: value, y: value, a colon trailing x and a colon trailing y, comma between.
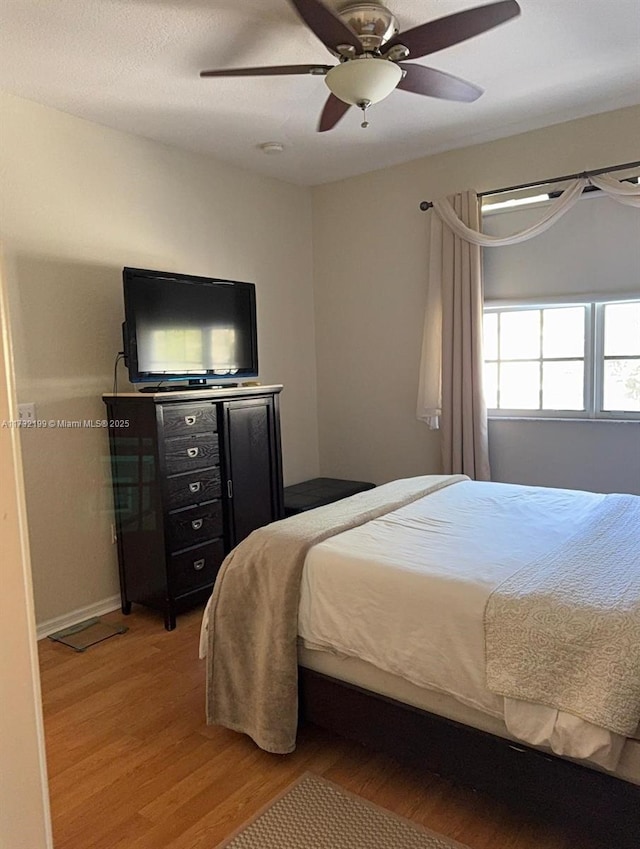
x: 271, y: 147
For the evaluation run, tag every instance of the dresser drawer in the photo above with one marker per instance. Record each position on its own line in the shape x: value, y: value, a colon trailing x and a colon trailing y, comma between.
x: 195, y: 452
x: 196, y: 568
x: 194, y: 525
x: 193, y: 488
x: 185, y: 419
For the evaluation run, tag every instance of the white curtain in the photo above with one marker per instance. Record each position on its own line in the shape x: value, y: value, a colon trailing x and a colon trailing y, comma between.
x: 450, y: 388
x: 451, y: 395
x: 430, y: 383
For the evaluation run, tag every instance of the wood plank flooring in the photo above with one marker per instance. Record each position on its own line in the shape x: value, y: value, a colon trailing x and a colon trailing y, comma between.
x: 132, y: 764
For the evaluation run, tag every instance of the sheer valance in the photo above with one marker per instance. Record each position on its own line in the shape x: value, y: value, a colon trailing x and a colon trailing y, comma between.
x: 627, y: 193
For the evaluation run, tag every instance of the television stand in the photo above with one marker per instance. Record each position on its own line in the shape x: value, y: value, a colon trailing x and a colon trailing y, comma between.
x: 193, y: 474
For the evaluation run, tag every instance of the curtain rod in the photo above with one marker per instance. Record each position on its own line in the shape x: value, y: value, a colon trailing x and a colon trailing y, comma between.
x: 427, y: 204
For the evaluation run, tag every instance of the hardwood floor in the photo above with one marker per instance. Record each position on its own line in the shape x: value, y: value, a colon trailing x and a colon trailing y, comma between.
x: 132, y: 764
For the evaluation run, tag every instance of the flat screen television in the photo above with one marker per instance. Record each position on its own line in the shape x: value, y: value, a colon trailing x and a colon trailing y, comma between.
x: 184, y: 328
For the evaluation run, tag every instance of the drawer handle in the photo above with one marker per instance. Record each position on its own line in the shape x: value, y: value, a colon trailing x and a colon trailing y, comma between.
x: 189, y: 420
x: 196, y: 524
x: 193, y: 452
x: 195, y: 487
x: 198, y: 565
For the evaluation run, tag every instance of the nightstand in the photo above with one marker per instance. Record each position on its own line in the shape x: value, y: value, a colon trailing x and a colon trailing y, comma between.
x: 318, y: 492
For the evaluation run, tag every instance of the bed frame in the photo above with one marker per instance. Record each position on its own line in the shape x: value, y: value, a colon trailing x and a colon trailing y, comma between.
x: 603, y: 808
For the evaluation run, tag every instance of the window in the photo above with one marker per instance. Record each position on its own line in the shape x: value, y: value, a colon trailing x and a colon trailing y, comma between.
x: 573, y: 360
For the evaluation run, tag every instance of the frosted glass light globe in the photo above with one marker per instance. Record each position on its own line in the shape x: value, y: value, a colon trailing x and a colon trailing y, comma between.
x: 365, y: 80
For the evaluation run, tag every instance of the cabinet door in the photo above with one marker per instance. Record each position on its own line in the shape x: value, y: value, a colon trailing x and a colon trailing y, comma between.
x: 253, y: 465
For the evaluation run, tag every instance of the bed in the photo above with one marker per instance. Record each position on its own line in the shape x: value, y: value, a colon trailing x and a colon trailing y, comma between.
x: 422, y: 611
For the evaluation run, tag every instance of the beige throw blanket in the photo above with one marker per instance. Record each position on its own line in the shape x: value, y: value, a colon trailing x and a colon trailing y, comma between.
x: 564, y: 631
x: 252, y: 662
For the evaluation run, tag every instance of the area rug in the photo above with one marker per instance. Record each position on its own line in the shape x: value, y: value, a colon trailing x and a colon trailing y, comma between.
x: 316, y: 814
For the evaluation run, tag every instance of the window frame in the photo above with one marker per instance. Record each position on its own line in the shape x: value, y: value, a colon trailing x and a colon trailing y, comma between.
x: 594, y: 357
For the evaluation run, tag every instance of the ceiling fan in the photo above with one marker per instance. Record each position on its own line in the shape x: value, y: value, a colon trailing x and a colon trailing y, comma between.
x: 371, y: 52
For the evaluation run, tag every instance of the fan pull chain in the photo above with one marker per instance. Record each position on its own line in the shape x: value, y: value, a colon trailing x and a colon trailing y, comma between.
x: 364, y: 106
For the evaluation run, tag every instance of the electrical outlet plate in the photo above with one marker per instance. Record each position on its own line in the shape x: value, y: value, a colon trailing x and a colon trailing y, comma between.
x: 27, y: 412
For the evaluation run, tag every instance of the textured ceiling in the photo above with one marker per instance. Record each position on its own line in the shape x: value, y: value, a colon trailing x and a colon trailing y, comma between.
x: 133, y: 65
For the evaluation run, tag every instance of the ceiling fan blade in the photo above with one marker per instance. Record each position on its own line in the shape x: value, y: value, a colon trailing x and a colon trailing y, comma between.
x: 452, y: 29
x: 428, y: 81
x: 333, y: 111
x: 269, y: 71
x: 324, y: 22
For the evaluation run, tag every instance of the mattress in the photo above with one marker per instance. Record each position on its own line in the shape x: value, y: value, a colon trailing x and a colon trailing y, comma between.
x: 406, y: 595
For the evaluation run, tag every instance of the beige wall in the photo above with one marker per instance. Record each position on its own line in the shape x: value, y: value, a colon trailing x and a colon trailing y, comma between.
x: 24, y: 805
x: 80, y: 201
x: 370, y: 256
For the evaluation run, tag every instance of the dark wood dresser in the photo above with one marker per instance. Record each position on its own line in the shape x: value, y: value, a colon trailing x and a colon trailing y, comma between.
x: 193, y: 473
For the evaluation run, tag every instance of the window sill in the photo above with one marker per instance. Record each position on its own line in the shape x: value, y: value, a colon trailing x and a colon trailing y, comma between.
x: 572, y: 419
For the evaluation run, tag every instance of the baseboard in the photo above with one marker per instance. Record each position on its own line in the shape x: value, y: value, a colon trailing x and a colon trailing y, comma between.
x: 43, y: 629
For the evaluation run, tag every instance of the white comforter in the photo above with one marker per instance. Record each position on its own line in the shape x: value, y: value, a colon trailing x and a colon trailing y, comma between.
x: 407, y: 593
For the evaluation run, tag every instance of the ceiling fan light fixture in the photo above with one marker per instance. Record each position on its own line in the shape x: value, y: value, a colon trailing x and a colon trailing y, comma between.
x: 365, y: 80
x: 365, y: 37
